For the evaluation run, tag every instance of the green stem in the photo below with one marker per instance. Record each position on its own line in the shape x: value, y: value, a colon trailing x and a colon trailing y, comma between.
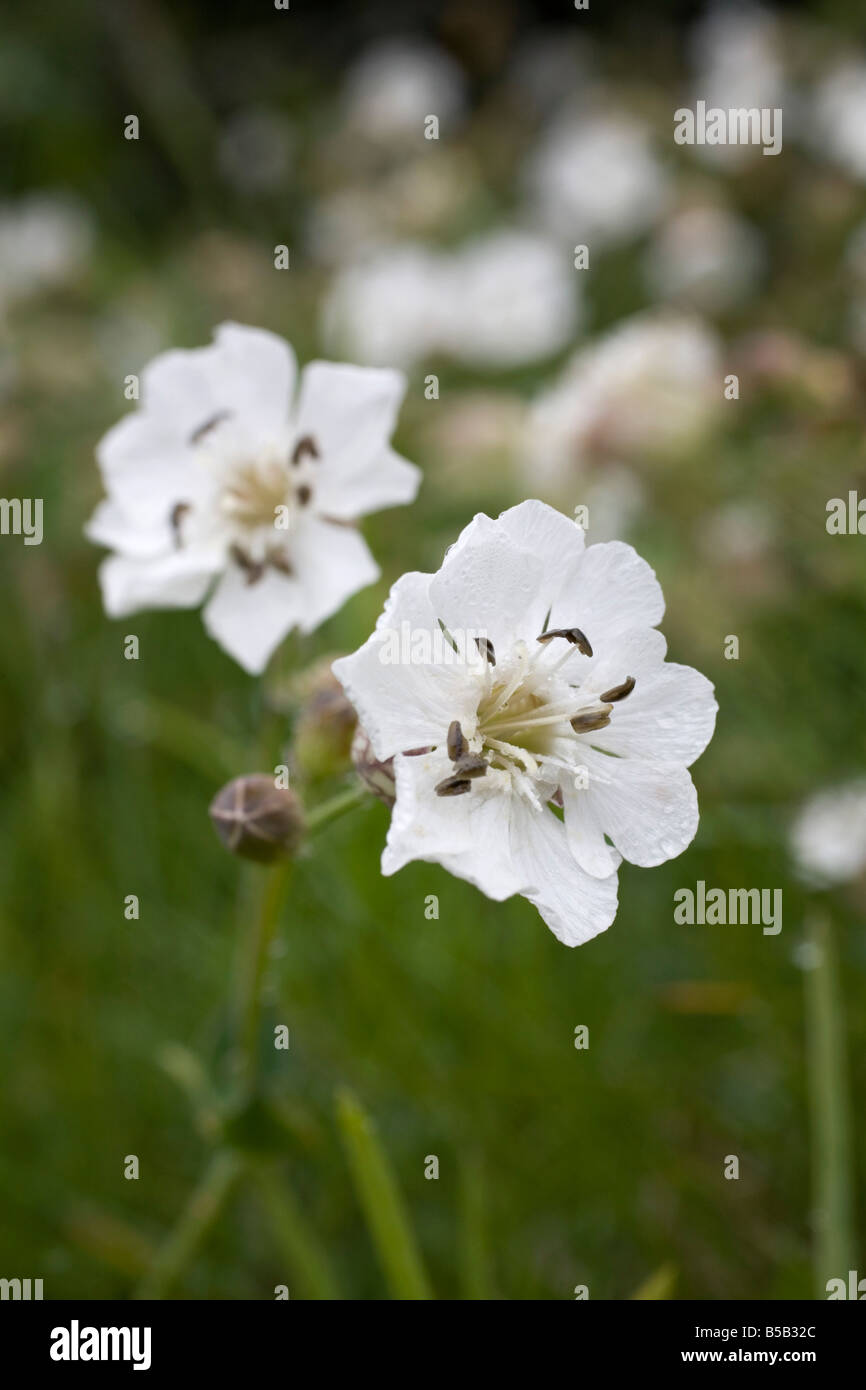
x: 305, y: 1258
x: 196, y: 1220
x: 828, y: 1093
x: 328, y: 811
x: 256, y: 946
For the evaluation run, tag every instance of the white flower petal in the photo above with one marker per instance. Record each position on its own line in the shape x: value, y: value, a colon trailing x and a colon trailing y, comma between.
x: 147, y: 467
x: 388, y: 481
x: 250, y: 620
x: 584, y: 830
x: 648, y: 809
x: 467, y: 834
x: 110, y: 526
x: 639, y: 653
x: 490, y: 587
x: 246, y: 371
x: 551, y: 538
x: 351, y: 412
x: 406, y: 704
x: 177, y: 579
x: 331, y: 563
x: 669, y: 717
x: 574, y: 905
x: 614, y: 590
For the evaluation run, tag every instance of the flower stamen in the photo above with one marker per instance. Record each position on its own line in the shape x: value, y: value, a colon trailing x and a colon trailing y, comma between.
x: 176, y: 516
x: 306, y: 447
x: 198, y: 435
x: 571, y: 634
x: 592, y: 720
x: 619, y: 692
x: 455, y: 742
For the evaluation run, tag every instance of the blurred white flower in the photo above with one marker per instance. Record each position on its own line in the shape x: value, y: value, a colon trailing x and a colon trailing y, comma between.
x: 500, y: 300
x: 706, y: 257
x: 396, y: 84
x: 220, y: 479
x: 513, y: 299
x: 651, y: 386
x: 839, y: 119
x: 614, y: 497
x: 828, y: 839
x: 738, y: 63
x: 594, y: 179
x: 538, y: 716
x: 738, y: 533
x: 390, y: 308
x: 45, y: 239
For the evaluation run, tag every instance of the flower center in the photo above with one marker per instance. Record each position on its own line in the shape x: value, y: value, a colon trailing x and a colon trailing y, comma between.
x: 531, y: 722
x: 253, y: 493
x: 257, y: 498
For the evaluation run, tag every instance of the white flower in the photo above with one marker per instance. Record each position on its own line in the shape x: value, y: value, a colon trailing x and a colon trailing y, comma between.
x: 44, y: 239
x: 651, y: 386
x: 390, y: 307
x: 499, y: 301
x: 395, y: 85
x: 218, y: 476
x: 840, y: 117
x: 828, y: 839
x: 738, y: 63
x: 512, y: 300
x: 564, y: 701
x: 594, y: 179
x: 705, y: 256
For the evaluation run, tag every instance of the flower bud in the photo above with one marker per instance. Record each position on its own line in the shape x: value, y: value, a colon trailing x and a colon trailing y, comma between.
x: 378, y: 776
x: 323, y: 733
x: 257, y: 819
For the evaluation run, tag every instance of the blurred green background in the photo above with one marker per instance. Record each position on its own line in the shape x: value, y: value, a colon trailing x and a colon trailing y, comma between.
x: 558, y: 1167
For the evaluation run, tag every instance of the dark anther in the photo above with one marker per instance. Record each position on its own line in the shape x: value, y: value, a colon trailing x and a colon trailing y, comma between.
x: 618, y: 692
x: 176, y: 516
x: 453, y: 786
x: 253, y: 569
x: 485, y: 646
x: 571, y: 634
x: 470, y: 765
x: 303, y: 494
x: 279, y: 560
x: 587, y: 723
x: 305, y: 447
x: 199, y: 434
x: 456, y: 743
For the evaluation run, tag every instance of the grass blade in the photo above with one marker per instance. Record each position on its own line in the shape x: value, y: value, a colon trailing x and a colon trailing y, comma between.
x: 829, y: 1109
x: 382, y: 1202
x: 306, y: 1259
